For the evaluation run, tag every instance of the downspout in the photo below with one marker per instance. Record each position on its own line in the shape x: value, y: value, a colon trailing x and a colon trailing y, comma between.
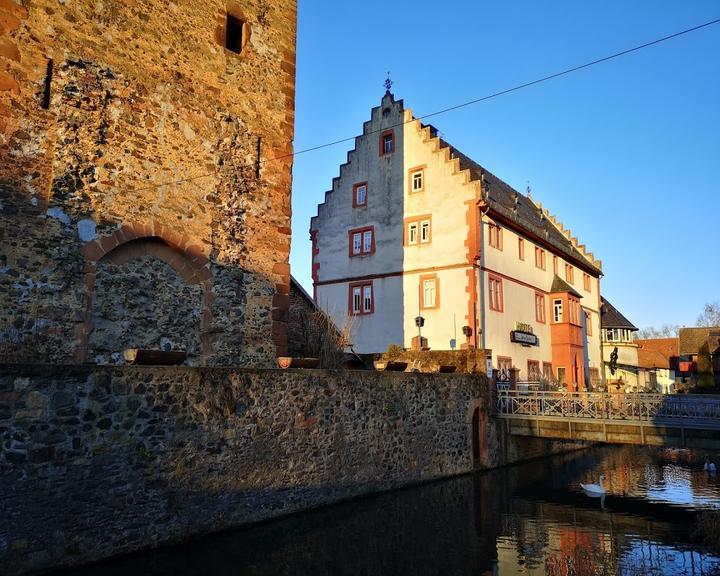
x: 483, y: 210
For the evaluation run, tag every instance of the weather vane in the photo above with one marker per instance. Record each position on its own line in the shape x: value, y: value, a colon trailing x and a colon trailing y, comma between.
x: 388, y: 83
x: 529, y: 190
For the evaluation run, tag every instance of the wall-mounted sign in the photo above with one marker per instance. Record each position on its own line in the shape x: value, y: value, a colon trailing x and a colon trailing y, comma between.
x: 523, y: 327
x: 524, y: 338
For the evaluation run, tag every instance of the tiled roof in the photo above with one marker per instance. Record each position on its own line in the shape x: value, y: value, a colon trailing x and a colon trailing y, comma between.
x: 559, y: 285
x: 656, y: 352
x: 692, y: 338
x: 519, y: 208
x: 610, y: 317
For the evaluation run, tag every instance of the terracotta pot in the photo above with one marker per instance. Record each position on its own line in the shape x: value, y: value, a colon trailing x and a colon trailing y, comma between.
x: 286, y: 362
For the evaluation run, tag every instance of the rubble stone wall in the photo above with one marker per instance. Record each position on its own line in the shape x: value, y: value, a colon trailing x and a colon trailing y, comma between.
x: 97, y: 461
x: 129, y: 122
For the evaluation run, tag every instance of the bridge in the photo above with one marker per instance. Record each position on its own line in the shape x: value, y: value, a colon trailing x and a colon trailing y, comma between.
x: 651, y: 419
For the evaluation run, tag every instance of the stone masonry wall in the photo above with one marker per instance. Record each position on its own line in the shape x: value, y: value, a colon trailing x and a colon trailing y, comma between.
x: 125, y: 125
x: 96, y: 461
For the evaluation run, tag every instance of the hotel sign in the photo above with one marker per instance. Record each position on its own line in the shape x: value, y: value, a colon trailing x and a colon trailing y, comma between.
x: 523, y: 334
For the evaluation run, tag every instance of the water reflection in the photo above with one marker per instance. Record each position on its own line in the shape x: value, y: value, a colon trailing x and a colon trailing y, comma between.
x: 529, y: 519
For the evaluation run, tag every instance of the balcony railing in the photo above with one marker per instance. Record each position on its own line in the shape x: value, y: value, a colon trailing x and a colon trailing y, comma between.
x: 600, y: 405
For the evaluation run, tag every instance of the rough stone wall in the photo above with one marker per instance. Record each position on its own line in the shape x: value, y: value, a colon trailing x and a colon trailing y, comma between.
x: 96, y: 461
x: 128, y: 121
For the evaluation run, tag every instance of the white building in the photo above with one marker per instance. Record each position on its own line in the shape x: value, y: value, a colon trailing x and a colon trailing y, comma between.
x: 412, y: 227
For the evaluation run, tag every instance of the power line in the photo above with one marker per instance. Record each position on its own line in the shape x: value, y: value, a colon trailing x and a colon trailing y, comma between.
x: 468, y: 103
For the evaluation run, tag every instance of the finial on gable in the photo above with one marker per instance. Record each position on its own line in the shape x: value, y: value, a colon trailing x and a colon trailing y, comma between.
x: 388, y: 83
x: 528, y: 189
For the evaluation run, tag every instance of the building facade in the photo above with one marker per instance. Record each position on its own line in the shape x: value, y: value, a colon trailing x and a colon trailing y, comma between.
x: 699, y: 356
x: 620, y: 351
x: 412, y: 228
x: 145, y: 174
x: 658, y: 363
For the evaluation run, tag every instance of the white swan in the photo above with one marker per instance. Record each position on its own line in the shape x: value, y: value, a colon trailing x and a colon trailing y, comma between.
x: 709, y: 467
x: 594, y: 489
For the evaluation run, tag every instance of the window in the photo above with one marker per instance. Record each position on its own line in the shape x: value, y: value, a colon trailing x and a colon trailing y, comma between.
x: 588, y: 323
x: 362, y: 241
x: 495, y: 292
x: 521, y: 249
x: 413, y: 233
x: 360, y: 194
x: 417, y: 179
x: 429, y: 296
x: 495, y: 236
x: 547, y: 371
x: 617, y: 335
x: 533, y: 370
x: 561, y: 374
x: 574, y: 307
x: 586, y: 282
x: 418, y: 230
x: 424, y: 231
x: 574, y: 311
x: 570, y: 273
x: 540, y: 307
x: 361, y: 299
x: 557, y: 310
x: 387, y: 143
x: 504, y: 366
x: 236, y: 34
x: 555, y: 265
x: 540, y: 258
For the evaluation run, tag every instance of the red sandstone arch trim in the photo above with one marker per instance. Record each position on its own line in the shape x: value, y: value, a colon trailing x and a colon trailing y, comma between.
x: 188, y: 259
x: 481, y: 429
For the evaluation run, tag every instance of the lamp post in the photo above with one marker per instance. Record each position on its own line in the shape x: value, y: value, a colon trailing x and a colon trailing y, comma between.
x: 468, y: 332
x: 419, y: 322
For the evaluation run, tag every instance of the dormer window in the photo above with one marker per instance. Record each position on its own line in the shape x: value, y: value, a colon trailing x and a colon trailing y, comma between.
x: 387, y: 143
x: 360, y: 194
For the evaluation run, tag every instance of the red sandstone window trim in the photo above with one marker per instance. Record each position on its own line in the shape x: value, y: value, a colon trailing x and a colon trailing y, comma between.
x: 355, y: 201
x: 540, y: 314
x: 539, y: 258
x: 570, y: 273
x: 495, y: 238
x: 361, y: 289
x: 364, y: 249
x: 588, y: 322
x: 421, y: 290
x: 586, y: 282
x: 411, y: 179
x: 521, y: 249
x: 555, y: 265
x: 533, y: 370
x: 421, y: 238
x: 386, y: 151
x: 548, y: 370
x: 495, y: 293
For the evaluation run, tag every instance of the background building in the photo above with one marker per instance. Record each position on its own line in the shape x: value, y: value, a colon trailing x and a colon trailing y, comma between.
x: 413, y: 227
x: 136, y: 209
x: 617, y: 339
x: 699, y: 358
x: 658, y: 363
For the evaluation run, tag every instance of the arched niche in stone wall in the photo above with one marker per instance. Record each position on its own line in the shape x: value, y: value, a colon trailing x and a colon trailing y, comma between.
x: 145, y: 293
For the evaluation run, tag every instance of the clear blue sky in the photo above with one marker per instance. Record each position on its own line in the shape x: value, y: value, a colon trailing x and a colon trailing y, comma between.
x: 626, y: 153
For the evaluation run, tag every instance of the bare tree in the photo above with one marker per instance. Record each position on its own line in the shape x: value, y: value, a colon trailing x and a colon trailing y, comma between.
x: 664, y: 331
x: 710, y: 315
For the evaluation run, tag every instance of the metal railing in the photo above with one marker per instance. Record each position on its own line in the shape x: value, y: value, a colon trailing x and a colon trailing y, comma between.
x: 601, y: 405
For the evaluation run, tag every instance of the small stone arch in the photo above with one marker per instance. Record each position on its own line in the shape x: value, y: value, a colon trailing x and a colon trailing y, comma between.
x: 477, y: 433
x: 187, y: 258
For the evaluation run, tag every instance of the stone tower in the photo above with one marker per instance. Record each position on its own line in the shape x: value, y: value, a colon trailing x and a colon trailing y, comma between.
x: 145, y: 173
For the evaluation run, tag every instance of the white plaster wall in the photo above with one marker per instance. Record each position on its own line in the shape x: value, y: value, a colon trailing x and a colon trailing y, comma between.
x: 441, y: 324
x: 370, y: 333
x: 519, y: 301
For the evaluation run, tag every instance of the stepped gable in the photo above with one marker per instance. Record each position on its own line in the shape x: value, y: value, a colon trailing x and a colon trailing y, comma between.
x: 610, y: 317
x: 507, y: 202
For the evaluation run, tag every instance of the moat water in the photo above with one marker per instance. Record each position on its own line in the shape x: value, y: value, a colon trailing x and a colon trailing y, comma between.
x: 526, y: 519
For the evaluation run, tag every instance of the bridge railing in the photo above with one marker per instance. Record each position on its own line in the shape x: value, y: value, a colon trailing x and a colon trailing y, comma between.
x: 602, y: 405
